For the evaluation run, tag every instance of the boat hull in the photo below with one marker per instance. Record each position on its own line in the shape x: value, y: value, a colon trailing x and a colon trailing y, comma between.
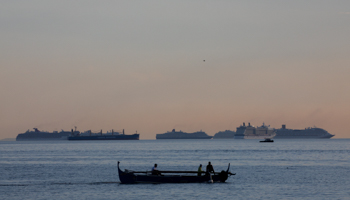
x: 132, y: 178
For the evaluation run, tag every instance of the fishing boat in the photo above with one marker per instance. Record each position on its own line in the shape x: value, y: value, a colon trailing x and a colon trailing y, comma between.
x: 128, y: 176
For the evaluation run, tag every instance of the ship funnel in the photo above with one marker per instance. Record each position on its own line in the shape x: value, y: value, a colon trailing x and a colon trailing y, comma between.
x: 283, y: 126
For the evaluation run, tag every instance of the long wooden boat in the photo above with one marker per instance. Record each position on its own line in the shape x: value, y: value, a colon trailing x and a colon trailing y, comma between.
x: 128, y: 176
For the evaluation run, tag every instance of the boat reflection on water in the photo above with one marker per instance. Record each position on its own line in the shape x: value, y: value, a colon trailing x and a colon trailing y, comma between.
x: 267, y: 140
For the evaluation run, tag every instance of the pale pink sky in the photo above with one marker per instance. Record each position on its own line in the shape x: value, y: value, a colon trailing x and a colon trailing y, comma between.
x: 138, y: 65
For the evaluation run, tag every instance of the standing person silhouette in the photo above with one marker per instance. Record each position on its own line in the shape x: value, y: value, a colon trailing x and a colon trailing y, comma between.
x: 210, y: 168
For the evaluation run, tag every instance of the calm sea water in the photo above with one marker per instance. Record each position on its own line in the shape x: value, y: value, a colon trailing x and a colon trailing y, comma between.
x: 285, y: 169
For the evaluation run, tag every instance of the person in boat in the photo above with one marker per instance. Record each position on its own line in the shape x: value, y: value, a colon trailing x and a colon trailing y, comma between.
x: 200, y: 170
x: 155, y: 170
x: 210, y: 168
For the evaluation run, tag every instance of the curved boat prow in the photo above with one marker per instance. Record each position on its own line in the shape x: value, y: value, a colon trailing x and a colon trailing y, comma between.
x: 125, y: 176
x: 228, y: 172
x: 119, y: 168
x: 120, y: 172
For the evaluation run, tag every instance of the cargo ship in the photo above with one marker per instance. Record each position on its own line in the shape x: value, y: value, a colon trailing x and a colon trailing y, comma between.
x: 307, y: 133
x: 183, y: 135
x: 43, y: 135
x: 88, y: 135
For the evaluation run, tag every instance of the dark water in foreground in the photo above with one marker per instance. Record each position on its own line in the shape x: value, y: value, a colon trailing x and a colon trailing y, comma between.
x: 285, y: 169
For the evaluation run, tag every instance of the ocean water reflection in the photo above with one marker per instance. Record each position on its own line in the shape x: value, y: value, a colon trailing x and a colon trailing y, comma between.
x: 285, y: 169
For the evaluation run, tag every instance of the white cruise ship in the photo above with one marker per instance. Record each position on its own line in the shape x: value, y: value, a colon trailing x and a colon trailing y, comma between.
x: 250, y: 132
x: 307, y: 133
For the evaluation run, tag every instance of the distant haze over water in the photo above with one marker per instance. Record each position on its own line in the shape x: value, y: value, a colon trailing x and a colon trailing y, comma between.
x: 152, y: 66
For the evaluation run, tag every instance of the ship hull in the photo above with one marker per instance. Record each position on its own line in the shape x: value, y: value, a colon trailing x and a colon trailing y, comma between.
x: 258, y: 137
x: 42, y: 136
x: 302, y: 137
x: 106, y: 137
x: 237, y: 136
x: 161, y: 138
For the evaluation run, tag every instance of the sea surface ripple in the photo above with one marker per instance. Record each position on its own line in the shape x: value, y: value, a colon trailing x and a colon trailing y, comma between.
x: 285, y: 169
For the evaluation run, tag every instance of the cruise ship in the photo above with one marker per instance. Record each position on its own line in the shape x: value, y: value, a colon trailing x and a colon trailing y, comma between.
x: 250, y: 132
x: 307, y: 133
x: 43, y: 135
x: 183, y: 135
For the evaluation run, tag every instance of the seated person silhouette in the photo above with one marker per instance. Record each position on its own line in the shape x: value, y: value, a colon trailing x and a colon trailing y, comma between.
x: 200, y: 170
x: 155, y: 170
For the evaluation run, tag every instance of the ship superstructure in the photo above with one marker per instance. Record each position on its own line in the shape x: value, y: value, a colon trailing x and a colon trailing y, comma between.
x: 112, y: 135
x: 251, y: 132
x: 43, y: 135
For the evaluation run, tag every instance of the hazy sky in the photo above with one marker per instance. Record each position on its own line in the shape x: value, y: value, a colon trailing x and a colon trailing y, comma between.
x: 138, y: 65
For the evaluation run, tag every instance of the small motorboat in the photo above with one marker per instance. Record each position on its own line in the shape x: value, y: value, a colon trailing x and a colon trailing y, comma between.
x: 267, y: 140
x: 128, y: 176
